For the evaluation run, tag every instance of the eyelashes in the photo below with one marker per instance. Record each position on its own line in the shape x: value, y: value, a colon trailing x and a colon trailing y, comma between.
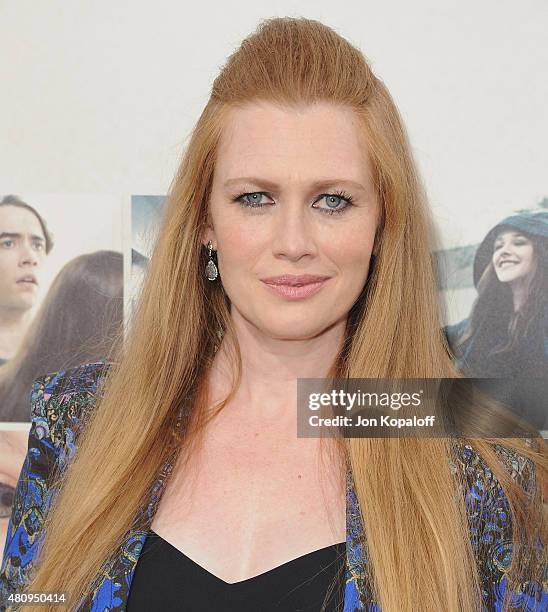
x: 515, y: 242
x: 341, y: 195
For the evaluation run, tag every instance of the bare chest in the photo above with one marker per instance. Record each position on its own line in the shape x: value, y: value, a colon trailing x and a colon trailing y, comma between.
x: 240, y: 510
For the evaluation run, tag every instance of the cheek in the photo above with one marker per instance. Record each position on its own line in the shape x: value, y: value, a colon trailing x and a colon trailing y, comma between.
x: 7, y: 266
x: 351, y: 251
x: 240, y: 245
x: 528, y: 256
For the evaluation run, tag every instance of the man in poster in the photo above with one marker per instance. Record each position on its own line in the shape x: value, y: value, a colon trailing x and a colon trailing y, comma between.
x: 24, y: 244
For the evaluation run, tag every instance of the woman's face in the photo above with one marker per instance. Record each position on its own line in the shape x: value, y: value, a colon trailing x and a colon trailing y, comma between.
x: 280, y: 205
x: 513, y: 256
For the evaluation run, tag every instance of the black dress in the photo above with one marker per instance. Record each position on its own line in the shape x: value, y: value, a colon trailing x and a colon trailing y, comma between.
x: 166, y: 579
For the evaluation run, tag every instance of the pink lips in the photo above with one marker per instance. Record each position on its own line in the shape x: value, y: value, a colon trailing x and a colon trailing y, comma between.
x: 503, y: 261
x: 295, y: 287
x: 28, y: 280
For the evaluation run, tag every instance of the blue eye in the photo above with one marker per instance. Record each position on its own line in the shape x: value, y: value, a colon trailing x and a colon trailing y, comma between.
x: 337, y: 197
x: 254, y: 203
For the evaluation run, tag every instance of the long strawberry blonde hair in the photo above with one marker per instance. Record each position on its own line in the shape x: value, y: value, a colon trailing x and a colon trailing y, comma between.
x: 415, y: 526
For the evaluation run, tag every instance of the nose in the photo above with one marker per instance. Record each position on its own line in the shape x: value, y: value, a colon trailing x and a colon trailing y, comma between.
x: 504, y: 249
x: 28, y: 256
x: 293, y: 232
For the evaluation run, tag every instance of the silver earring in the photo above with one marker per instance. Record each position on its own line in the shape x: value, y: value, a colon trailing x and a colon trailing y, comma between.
x: 211, y: 271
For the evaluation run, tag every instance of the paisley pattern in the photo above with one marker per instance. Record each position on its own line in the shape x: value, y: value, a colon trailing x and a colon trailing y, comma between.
x: 490, y: 534
x: 60, y: 403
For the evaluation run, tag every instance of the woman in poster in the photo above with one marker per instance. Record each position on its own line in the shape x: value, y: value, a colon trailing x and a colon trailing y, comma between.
x: 79, y: 320
x: 505, y: 337
x: 189, y: 488
x: 506, y: 333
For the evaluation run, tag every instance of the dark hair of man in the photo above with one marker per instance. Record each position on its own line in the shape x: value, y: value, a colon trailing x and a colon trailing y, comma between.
x: 13, y: 200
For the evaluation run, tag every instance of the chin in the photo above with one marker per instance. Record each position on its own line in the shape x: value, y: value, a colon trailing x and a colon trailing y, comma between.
x: 292, y: 328
x: 508, y: 277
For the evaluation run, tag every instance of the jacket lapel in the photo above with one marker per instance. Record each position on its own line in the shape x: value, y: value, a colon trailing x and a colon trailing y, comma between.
x: 356, y: 592
x: 114, y: 579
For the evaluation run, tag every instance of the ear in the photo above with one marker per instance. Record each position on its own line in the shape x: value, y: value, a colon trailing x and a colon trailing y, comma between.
x: 207, y: 235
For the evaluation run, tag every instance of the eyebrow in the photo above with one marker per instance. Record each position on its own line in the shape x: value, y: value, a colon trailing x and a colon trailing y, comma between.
x: 515, y: 235
x: 14, y: 235
x: 319, y: 184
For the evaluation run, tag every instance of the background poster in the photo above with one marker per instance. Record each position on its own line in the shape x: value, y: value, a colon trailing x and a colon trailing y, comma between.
x: 496, y: 298
x: 58, y: 308
x: 146, y: 212
x: 62, y: 288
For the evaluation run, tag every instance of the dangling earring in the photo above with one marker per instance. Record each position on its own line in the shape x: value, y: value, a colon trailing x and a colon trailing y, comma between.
x: 211, y: 271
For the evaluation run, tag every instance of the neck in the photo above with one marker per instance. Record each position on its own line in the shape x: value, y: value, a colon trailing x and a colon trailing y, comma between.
x: 271, y: 367
x: 13, y: 325
x: 520, y: 290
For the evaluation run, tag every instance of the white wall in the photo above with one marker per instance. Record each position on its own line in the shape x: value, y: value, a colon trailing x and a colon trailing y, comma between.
x: 98, y: 96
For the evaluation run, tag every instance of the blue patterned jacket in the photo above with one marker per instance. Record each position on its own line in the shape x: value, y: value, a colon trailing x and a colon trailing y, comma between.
x: 59, y: 403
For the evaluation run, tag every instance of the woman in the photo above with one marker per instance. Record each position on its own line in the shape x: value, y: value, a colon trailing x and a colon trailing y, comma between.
x: 79, y: 320
x: 507, y: 330
x: 299, y: 165
x: 506, y: 334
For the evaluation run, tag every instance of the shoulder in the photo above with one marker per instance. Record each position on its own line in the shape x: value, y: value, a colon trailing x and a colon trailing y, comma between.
x: 473, y: 466
x: 78, y: 380
x: 59, y: 403
x: 455, y: 330
x: 490, y: 524
x: 483, y: 492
